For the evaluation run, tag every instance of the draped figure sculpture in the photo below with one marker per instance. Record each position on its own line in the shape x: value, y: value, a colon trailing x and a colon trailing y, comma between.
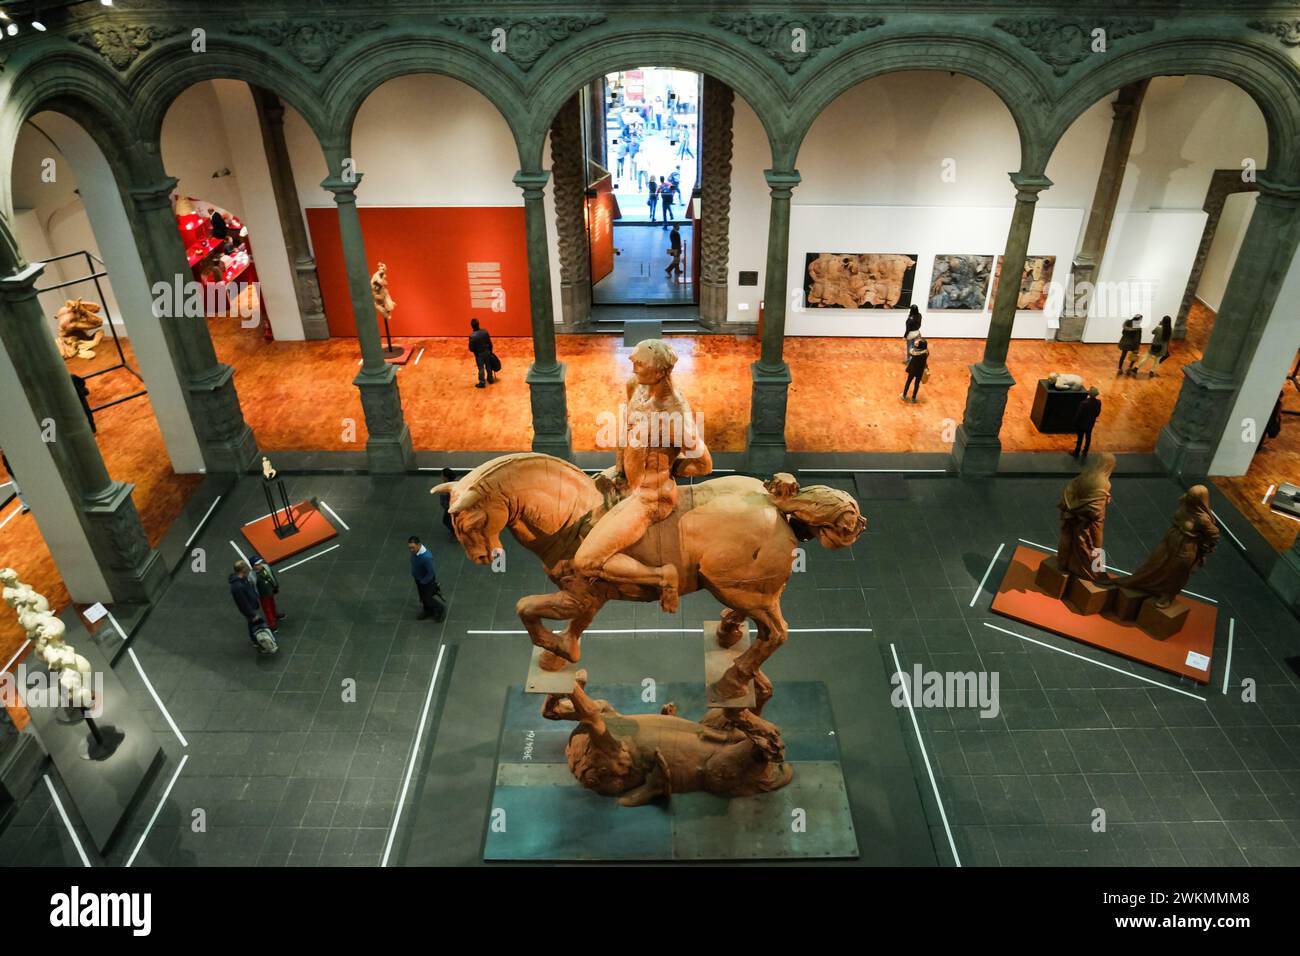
x: 1192, y: 536
x: 1083, y: 518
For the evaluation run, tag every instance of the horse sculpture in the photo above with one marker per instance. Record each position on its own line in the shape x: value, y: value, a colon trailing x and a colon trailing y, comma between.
x: 733, y: 536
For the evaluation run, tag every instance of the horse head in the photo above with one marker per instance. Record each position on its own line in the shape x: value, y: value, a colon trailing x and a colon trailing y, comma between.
x: 477, y: 519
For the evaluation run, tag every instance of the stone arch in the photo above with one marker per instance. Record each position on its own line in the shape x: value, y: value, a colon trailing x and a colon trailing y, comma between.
x: 376, y: 63
x: 1267, y: 77
x: 171, y: 69
x: 745, y: 72
x: 981, y: 57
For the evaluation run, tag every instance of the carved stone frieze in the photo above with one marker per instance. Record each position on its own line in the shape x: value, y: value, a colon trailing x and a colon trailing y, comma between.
x: 311, y: 44
x: 793, y: 40
x: 1062, y: 42
x: 524, y: 39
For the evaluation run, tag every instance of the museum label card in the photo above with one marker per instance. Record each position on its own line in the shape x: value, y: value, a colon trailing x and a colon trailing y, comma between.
x: 96, y: 613
x: 1199, y: 661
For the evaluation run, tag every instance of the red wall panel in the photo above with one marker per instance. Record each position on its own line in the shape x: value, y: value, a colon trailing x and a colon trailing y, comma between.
x: 427, y: 250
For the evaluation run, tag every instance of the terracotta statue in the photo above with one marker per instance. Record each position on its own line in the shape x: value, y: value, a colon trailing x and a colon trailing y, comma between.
x: 379, y: 289
x: 731, y: 753
x: 660, y: 443
x: 1192, y: 536
x: 80, y: 329
x: 732, y: 536
x: 1083, y: 515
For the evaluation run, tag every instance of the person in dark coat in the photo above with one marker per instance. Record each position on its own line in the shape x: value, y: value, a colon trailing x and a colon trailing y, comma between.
x: 244, y: 593
x: 653, y: 199
x: 1084, y: 418
x: 426, y: 579
x: 674, y: 250
x: 480, y: 343
x: 666, y: 200
x: 1130, y: 340
x: 444, y: 499
x: 918, y: 359
x: 913, y: 325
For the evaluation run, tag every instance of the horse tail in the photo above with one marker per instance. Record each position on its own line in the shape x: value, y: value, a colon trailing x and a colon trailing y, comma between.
x: 828, y: 514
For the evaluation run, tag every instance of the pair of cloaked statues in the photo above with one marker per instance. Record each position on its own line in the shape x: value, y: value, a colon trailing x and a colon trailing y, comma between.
x: 633, y: 534
x: 1191, y: 537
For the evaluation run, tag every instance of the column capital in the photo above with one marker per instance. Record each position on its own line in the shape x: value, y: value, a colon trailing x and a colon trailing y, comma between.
x: 21, y: 284
x: 344, y: 190
x: 782, y: 181
x: 156, y: 195
x: 1029, y: 185
x: 532, y: 182
x: 1276, y: 190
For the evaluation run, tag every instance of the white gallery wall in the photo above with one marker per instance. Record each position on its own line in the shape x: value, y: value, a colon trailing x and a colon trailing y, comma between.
x: 424, y: 140
x: 873, y: 165
x: 1233, y: 222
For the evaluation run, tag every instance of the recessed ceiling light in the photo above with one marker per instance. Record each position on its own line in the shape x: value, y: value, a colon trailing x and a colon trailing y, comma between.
x: 11, y: 29
x: 37, y: 25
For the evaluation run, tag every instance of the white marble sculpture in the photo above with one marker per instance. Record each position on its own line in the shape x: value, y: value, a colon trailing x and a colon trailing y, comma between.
x: 1065, y: 381
x: 46, y: 631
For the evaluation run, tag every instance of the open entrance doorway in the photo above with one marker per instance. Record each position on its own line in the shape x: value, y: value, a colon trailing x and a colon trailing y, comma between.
x: 642, y: 197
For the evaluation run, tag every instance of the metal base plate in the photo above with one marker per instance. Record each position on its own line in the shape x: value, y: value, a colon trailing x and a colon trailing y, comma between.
x: 718, y: 659
x: 549, y: 682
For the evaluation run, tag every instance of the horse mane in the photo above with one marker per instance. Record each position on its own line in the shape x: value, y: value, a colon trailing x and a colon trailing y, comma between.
x: 480, y: 478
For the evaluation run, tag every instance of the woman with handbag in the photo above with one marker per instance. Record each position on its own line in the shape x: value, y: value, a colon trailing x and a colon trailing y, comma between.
x: 1157, y: 350
x: 918, y: 368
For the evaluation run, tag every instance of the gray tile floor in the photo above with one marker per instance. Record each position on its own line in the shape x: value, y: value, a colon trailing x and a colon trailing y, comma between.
x: 287, y: 772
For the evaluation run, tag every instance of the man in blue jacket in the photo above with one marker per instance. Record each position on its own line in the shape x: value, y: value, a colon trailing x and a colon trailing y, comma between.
x: 244, y: 592
x: 426, y: 581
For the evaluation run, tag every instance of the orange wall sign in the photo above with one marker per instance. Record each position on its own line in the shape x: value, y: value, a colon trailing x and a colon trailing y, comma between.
x: 446, y: 265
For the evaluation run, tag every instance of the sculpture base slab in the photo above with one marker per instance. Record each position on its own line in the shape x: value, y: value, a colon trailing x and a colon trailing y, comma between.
x: 1163, y: 622
x: 718, y: 659
x: 398, y: 355
x: 1087, y: 597
x: 313, y: 528
x: 1126, y: 604
x: 549, y: 816
x: 1050, y: 579
x: 542, y: 681
x: 1020, y: 600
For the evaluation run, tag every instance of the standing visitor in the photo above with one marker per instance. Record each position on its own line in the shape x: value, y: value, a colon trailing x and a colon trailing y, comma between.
x: 653, y: 198
x: 268, y: 586
x: 480, y: 343
x: 674, y: 250
x: 13, y: 480
x: 1084, y: 418
x: 911, y: 332
x: 1130, y: 340
x: 244, y: 593
x: 917, y: 363
x: 1158, y: 348
x: 426, y: 580
x: 666, y: 200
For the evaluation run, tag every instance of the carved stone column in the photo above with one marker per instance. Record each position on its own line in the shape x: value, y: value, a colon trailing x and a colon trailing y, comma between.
x: 1083, y: 270
x: 1186, y: 445
x: 270, y: 113
x: 715, y: 200
x: 770, y: 375
x: 133, y: 571
x: 570, y: 172
x: 388, y: 447
x: 977, y: 447
x: 1223, y: 183
x: 551, y: 432
x: 227, y: 441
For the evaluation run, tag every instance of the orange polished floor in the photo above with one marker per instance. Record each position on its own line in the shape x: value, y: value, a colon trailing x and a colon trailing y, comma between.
x: 844, y: 396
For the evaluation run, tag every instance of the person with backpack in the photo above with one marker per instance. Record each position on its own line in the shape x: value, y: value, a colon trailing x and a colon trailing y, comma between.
x: 1130, y: 340
x: 480, y: 343
x: 666, y: 200
x: 268, y: 586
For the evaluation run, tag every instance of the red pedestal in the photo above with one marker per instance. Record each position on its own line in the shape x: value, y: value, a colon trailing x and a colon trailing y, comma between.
x: 313, y: 528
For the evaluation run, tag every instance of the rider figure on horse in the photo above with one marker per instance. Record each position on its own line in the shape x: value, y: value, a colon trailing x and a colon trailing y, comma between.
x: 660, y: 443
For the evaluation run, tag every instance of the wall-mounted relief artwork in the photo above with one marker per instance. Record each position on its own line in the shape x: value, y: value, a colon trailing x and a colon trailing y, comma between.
x: 1035, y: 283
x: 847, y: 280
x: 960, y: 282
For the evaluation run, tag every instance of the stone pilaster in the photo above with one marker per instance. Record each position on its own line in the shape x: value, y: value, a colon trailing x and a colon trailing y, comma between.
x: 133, y: 571
x: 228, y: 443
x: 388, y: 447
x: 570, y: 172
x: 551, y: 432
x: 1096, y: 234
x: 719, y: 113
x: 1223, y: 183
x: 306, y: 283
x: 770, y: 375
x: 977, y: 447
x: 1186, y: 445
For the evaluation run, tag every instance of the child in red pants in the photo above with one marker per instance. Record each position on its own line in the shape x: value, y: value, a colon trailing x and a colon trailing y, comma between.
x: 268, y: 586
